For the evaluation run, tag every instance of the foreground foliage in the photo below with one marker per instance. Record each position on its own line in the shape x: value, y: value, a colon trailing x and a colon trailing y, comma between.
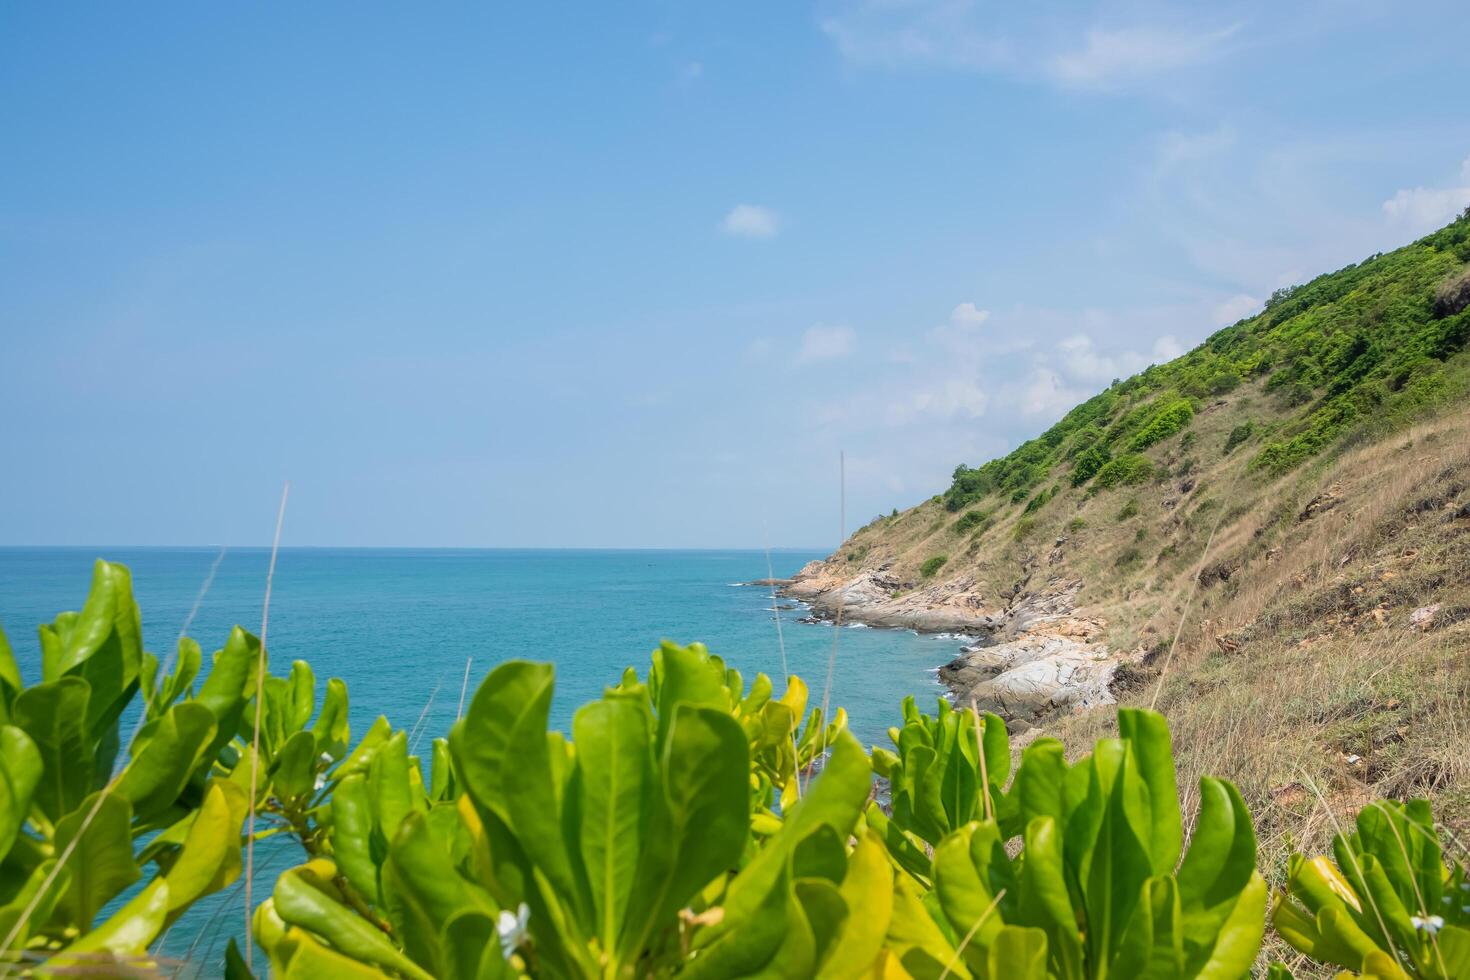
x: 170, y: 803
x: 691, y: 825
x: 1387, y: 904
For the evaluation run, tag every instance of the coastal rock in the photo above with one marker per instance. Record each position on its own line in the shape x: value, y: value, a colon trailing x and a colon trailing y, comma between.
x: 1035, y: 675
x: 1037, y: 654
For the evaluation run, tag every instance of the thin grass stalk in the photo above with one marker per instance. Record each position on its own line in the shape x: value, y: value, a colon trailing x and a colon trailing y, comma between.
x: 255, y: 738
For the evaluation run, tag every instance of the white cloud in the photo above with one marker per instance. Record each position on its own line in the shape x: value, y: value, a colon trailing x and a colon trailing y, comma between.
x: 1166, y: 348
x: 1080, y: 359
x: 888, y: 34
x: 1177, y: 149
x: 969, y: 36
x: 1046, y: 394
x: 751, y: 221
x: 824, y: 343
x: 967, y: 313
x: 1237, y: 307
x: 1423, y: 209
x: 1113, y: 57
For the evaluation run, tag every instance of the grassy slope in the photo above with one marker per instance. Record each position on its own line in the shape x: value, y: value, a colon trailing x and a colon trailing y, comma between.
x: 1123, y: 491
x: 1295, y: 652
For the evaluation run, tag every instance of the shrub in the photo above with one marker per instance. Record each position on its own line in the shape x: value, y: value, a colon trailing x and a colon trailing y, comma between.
x: 1076, y: 524
x: 971, y: 520
x: 177, y: 801
x: 1130, y: 509
x: 1033, y: 881
x: 1390, y: 903
x: 1128, y: 470
x: 1024, y: 527
x: 932, y: 565
x: 1238, y: 435
x: 1165, y: 422
x: 1089, y: 461
x: 1039, y: 501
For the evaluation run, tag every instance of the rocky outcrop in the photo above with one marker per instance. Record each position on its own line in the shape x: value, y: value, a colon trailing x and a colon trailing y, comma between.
x: 1035, y: 654
x: 1033, y: 676
x: 878, y: 598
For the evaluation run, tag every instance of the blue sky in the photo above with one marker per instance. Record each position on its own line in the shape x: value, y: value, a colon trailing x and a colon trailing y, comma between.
x: 633, y: 274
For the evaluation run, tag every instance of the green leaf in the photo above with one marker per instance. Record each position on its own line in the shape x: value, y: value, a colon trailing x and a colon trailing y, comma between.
x: 332, y: 731
x: 10, y: 682
x: 1239, y: 939
x: 235, y: 966
x: 1039, y: 780
x: 390, y: 786
x: 301, y: 902
x: 867, y: 891
x: 293, y: 771
x: 1220, y: 863
x: 362, y: 756
x: 1045, y: 901
x: 210, y: 857
x: 352, y: 830
x: 102, y: 645
x: 1152, y: 947
x: 310, y: 960
x: 230, y: 685
x: 101, y: 862
x: 964, y: 892
x: 1147, y: 734
x: 701, y: 826
x: 172, y: 748
x: 744, y: 952
x: 472, y: 947
x: 1117, y: 862
x: 687, y: 675
x: 422, y: 891
x: 826, y: 913
x: 835, y: 799
x: 127, y: 932
x: 303, y: 695
x: 54, y: 715
x: 915, y: 940
x: 820, y: 854
x: 19, y: 903
x: 614, y: 742
x: 1018, y: 953
x: 21, y: 768
x: 481, y: 739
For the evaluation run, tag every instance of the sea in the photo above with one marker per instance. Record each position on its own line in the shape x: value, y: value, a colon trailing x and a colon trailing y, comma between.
x: 401, y: 626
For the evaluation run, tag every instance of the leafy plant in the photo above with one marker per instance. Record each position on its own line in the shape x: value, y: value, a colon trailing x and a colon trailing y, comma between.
x: 1388, y: 904
x: 932, y: 565
x: 78, y: 826
x: 1097, y: 888
x: 605, y: 855
x: 1128, y: 470
x: 1168, y: 420
x: 970, y: 520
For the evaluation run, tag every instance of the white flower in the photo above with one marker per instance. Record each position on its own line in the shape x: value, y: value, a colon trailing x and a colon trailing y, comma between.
x: 512, y: 929
x: 1429, y: 923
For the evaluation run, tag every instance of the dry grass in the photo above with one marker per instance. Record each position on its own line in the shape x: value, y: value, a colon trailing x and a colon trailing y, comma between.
x: 1301, y: 671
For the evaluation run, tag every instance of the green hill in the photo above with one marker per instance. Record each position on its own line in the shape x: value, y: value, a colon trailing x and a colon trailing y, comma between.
x: 1266, y: 538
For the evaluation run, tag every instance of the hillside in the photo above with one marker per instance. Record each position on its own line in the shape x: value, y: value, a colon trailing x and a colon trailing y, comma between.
x: 1307, y: 466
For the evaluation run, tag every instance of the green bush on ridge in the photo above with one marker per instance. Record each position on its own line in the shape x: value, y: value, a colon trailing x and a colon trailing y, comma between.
x: 1365, y: 345
x: 681, y: 830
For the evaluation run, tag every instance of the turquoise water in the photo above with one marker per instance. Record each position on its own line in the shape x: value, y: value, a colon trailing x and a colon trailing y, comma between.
x: 398, y: 625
